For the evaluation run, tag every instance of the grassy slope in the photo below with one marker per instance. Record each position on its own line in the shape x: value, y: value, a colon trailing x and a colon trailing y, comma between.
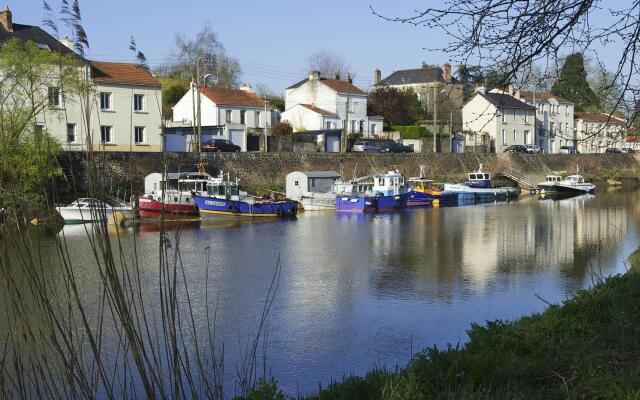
x: 589, y: 347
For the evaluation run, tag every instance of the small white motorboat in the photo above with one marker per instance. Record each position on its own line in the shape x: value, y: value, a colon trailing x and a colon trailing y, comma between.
x: 550, y: 184
x: 91, y: 210
x: 575, y: 184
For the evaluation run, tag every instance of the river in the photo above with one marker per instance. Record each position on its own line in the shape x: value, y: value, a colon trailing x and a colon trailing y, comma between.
x: 358, y: 291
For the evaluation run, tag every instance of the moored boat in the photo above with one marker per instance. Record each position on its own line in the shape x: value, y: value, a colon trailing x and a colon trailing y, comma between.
x: 91, y: 210
x: 170, y: 195
x: 423, y: 192
x: 550, y: 184
x: 575, y: 184
x: 387, y: 193
x: 223, y: 200
x: 480, y: 187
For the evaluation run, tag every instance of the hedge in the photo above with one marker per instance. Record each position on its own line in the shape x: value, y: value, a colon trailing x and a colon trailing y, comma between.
x: 411, y: 131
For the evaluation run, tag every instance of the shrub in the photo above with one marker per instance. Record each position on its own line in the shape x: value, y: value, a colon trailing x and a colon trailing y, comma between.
x: 281, y: 128
x: 411, y: 131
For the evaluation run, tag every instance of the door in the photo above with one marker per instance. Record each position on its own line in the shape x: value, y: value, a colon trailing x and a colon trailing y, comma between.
x: 237, y: 138
x: 333, y: 144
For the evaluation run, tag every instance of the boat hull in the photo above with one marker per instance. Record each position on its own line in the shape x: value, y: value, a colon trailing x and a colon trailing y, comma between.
x: 76, y: 215
x: 318, y: 203
x: 575, y: 189
x: 365, y: 203
x: 478, y: 192
x: 418, y: 198
x: 153, y: 209
x: 215, y: 208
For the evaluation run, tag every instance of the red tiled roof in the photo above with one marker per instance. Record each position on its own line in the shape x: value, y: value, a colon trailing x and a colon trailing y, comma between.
x: 316, y: 109
x: 632, y: 139
x: 233, y: 97
x: 525, y: 95
x: 341, y: 86
x: 598, y: 117
x: 109, y: 72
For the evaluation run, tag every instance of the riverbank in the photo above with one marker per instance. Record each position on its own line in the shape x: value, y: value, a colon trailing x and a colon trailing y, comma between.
x: 260, y: 172
x: 587, y: 347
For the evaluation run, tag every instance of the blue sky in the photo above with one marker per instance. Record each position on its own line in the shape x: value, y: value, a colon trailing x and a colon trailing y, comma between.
x: 271, y: 39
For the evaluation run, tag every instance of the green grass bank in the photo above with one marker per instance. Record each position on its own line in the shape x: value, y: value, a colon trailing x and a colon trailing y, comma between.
x: 586, y: 348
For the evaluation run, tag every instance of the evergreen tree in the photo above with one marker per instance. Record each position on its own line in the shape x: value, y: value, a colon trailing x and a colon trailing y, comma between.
x: 572, y: 83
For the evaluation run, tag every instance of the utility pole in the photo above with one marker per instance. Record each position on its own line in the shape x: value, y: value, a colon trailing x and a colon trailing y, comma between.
x: 346, y: 116
x: 266, y: 141
x: 199, y: 132
x: 450, y: 128
x: 435, y: 118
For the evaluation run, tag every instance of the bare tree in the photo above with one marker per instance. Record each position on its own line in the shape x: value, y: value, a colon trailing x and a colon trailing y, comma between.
x: 329, y: 64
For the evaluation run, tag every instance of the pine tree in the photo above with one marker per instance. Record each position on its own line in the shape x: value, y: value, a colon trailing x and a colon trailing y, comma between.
x: 572, y: 83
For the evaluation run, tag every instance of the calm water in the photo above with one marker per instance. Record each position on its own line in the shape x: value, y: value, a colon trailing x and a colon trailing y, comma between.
x: 358, y: 291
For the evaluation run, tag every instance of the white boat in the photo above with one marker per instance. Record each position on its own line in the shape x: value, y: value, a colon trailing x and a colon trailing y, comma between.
x: 479, y: 185
x: 91, y: 210
x: 317, y: 201
x: 549, y: 184
x: 574, y: 184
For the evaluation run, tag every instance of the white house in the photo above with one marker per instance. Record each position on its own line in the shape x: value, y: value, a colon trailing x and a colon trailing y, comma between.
x: 123, y: 105
x: 500, y: 118
x: 595, y: 132
x: 232, y: 111
x: 554, y: 115
x: 318, y: 103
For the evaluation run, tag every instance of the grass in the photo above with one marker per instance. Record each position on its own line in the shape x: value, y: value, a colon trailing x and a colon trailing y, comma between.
x: 587, y: 347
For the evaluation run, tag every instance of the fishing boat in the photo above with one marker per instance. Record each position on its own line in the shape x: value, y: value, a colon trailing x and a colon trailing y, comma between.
x: 574, y: 184
x: 171, y: 195
x: 327, y: 201
x: 388, y: 192
x: 222, y: 199
x: 480, y: 187
x: 423, y: 192
x: 91, y: 210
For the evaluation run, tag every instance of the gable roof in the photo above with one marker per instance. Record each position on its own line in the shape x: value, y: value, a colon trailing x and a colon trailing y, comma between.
x: 233, y: 97
x: 110, y: 72
x: 337, y: 85
x: 413, y: 76
x: 526, y: 95
x: 36, y: 35
x: 503, y: 100
x: 316, y: 109
x: 598, y: 117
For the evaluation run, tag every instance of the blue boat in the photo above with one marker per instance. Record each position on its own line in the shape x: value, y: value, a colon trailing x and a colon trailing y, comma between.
x: 479, y: 186
x: 224, y: 200
x: 422, y: 192
x: 388, y: 193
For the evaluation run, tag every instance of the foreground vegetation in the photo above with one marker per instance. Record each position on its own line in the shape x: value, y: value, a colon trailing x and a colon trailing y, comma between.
x: 586, y: 348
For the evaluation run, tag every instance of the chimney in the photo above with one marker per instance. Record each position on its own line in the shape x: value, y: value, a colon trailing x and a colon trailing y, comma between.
x: 6, y: 19
x: 510, y: 90
x: 246, y: 87
x: 67, y: 42
x: 349, y: 79
x: 336, y: 76
x: 377, y: 76
x: 446, y: 72
x: 314, y: 75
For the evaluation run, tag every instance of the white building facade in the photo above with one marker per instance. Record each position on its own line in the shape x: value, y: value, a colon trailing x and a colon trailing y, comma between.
x: 318, y: 103
x: 499, y: 119
x: 555, y: 116
x: 596, y: 132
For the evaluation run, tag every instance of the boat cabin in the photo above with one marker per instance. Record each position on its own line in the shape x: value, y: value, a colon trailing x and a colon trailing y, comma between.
x: 389, y: 184
x: 421, y: 184
x: 479, y: 179
x: 300, y: 182
x: 575, y: 179
x: 175, y: 181
x: 222, y: 189
x: 553, y: 178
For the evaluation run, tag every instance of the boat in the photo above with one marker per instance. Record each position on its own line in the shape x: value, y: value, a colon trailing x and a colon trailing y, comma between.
x: 480, y: 187
x: 550, y: 184
x: 327, y: 201
x: 388, y: 192
x: 170, y: 195
x: 87, y: 209
x: 422, y: 192
x: 222, y: 199
x: 575, y: 184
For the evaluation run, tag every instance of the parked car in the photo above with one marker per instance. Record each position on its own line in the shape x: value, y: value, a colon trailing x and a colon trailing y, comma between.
x: 568, y: 150
x: 516, y: 148
x: 613, y: 150
x: 219, y: 145
x: 534, y: 149
x: 397, y: 148
x: 629, y: 150
x: 365, y: 147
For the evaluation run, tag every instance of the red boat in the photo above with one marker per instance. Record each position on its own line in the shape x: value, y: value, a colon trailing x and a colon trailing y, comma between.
x: 171, y: 195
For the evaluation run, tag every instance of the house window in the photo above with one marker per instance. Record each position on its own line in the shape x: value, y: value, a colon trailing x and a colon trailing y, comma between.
x: 353, y: 126
x: 242, y: 116
x: 552, y: 129
x: 106, y: 134
x: 228, y: 116
x: 105, y: 101
x: 138, y: 102
x: 504, y: 136
x: 55, y: 99
x: 504, y: 116
x: 560, y: 127
x: 313, y: 182
x: 373, y: 128
x: 566, y: 110
x: 514, y: 114
x: 257, y: 119
x: 139, y: 134
x: 328, y: 125
x: 527, y: 137
x: 515, y: 135
x: 71, y: 133
x: 39, y: 127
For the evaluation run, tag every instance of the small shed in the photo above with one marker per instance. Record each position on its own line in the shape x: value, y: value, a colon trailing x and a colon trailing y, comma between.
x: 300, y: 182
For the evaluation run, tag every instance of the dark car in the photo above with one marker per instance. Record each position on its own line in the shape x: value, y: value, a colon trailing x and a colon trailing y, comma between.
x: 396, y: 148
x: 219, y: 145
x: 613, y: 150
x: 516, y: 148
x: 569, y: 150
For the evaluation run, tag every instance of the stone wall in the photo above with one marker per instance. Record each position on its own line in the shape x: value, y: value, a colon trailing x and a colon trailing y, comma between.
x: 259, y: 172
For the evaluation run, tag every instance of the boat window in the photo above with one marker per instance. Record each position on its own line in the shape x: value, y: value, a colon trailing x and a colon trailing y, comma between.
x: 472, y: 176
x: 486, y: 176
x: 232, y: 190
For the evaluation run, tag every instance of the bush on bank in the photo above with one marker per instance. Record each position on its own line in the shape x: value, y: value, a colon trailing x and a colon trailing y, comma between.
x: 588, y: 347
